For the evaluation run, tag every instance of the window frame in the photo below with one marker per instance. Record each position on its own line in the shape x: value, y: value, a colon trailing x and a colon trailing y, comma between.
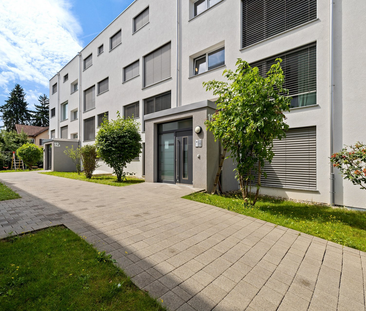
x: 84, y: 101
x: 72, y: 134
x: 54, y: 86
x: 73, y: 88
x: 206, y: 56
x: 72, y: 113
x: 64, y: 114
x: 67, y: 128
x: 101, y: 47
x: 111, y: 38
x: 154, y: 98
x: 66, y: 77
x: 53, y: 133
x: 86, y: 120
x: 98, y: 86
x: 124, y: 71
x: 53, y: 112
x: 137, y: 109
x: 84, y: 61
x: 102, y: 115
x: 207, y: 4
x: 134, y: 20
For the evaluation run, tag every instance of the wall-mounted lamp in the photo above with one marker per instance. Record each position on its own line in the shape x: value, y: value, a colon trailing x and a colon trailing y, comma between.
x: 198, y: 129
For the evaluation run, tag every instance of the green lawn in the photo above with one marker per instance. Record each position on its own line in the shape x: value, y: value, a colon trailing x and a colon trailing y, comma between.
x: 334, y: 224
x: 19, y: 171
x: 7, y: 194
x: 100, y: 179
x: 55, y: 269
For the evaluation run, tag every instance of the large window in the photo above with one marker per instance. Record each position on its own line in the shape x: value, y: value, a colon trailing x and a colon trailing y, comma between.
x: 299, y: 67
x: 265, y: 18
x: 64, y: 111
x: 209, y: 61
x: 54, y: 88
x: 294, y: 163
x: 103, y: 86
x: 115, y: 40
x: 141, y: 20
x: 64, y: 132
x: 101, y: 117
x: 89, y: 129
x: 131, y: 71
x: 202, y: 5
x: 131, y: 111
x: 158, y: 65
x: 89, y: 99
x: 158, y: 103
x: 88, y: 61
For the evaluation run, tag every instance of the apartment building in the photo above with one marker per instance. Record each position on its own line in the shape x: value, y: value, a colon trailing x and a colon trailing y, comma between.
x: 150, y: 62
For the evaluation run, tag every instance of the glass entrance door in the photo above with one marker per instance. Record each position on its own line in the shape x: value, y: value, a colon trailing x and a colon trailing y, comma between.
x: 184, y: 157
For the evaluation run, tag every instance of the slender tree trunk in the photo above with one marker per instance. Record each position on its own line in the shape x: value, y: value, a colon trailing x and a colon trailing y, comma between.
x: 258, y: 184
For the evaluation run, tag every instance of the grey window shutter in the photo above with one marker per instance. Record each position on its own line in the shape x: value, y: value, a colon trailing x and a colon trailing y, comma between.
x: 64, y: 132
x: 166, y: 62
x: 263, y: 19
x: 149, y: 69
x: 294, y: 163
x: 89, y: 129
x: 158, y: 65
x: 89, y: 98
x: 131, y: 71
x: 88, y: 61
x: 116, y: 39
x: 103, y: 86
x: 141, y: 19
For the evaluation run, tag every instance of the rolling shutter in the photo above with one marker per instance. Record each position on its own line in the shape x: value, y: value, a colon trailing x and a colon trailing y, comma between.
x: 141, y: 20
x: 64, y: 132
x: 103, y: 86
x: 89, y: 98
x: 88, y: 61
x: 157, y: 65
x: 89, y: 129
x: 132, y: 71
x: 116, y: 39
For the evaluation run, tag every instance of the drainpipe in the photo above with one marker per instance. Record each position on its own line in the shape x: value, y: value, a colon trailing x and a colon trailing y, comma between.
x: 177, y: 46
x: 58, y: 107
x: 80, y: 98
x: 331, y: 72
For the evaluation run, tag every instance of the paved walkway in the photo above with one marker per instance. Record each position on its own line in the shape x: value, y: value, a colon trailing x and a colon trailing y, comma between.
x: 191, y: 255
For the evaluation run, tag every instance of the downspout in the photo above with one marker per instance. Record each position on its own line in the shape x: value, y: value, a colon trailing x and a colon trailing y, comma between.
x: 177, y: 47
x: 331, y: 71
x: 80, y: 98
x: 58, y: 106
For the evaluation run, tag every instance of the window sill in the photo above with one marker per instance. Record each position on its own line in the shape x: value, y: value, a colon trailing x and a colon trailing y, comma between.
x: 304, y: 107
x: 156, y: 83
x: 74, y: 120
x: 63, y: 120
x: 115, y: 47
x: 87, y: 68
x: 130, y: 79
x: 194, y: 17
x: 73, y: 92
x: 102, y: 92
x: 213, y: 69
x: 88, y: 141
x: 85, y: 111
x: 279, y: 34
x: 141, y: 28
x: 100, y: 54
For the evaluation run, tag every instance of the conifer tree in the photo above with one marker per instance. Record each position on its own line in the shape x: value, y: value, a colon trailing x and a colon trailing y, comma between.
x: 41, y: 115
x: 15, y: 111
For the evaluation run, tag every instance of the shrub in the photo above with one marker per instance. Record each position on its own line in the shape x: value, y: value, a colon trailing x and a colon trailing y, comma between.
x: 75, y: 156
x: 30, y: 154
x: 90, y: 159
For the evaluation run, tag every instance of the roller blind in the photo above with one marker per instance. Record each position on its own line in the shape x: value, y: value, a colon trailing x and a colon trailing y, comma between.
x: 116, y: 39
x: 158, y: 103
x: 102, y: 117
x: 89, y: 98
x: 299, y: 67
x: 131, y: 111
x: 54, y: 88
x: 88, y: 61
x: 89, y: 129
x: 158, y: 65
x: 265, y: 18
x: 131, y: 71
x: 103, y: 86
x: 141, y: 19
x: 294, y: 163
x: 64, y: 132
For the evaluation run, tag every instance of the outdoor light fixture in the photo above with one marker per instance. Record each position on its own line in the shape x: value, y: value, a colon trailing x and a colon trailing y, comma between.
x: 198, y: 129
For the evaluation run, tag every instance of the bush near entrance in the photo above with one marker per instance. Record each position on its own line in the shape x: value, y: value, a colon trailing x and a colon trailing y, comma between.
x: 30, y: 154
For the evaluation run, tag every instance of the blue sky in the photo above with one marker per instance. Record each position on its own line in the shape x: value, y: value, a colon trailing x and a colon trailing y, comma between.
x: 38, y: 37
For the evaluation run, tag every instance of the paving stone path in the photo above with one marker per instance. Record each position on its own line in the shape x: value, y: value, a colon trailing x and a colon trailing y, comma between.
x: 191, y: 255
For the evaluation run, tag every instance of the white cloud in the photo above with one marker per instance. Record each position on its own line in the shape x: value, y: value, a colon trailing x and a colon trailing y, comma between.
x: 37, y: 38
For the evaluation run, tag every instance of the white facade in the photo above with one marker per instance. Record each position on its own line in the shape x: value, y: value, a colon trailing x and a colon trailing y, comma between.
x: 221, y: 26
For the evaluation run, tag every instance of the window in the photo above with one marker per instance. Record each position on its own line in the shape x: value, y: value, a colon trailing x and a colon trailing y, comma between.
x: 64, y: 131
x: 103, y: 86
x: 64, y: 111
x: 115, y: 40
x: 53, y: 112
x: 89, y: 129
x: 74, y: 136
x: 131, y: 71
x: 54, y: 88
x: 294, y: 163
x: 74, y: 115
x: 131, y: 111
x: 299, y: 68
x: 101, y: 117
x: 263, y: 19
x: 100, y: 49
x: 89, y: 98
x: 88, y: 61
x: 158, y: 103
x: 66, y: 77
x: 141, y: 20
x: 215, y: 59
x: 202, y: 5
x: 74, y: 87
x: 157, y: 65
x: 53, y: 135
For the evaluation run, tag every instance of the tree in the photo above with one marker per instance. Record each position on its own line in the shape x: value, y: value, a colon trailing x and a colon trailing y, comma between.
x: 41, y: 115
x: 351, y: 161
x: 249, y: 117
x: 89, y: 157
x: 10, y: 142
x: 118, y: 143
x: 15, y: 110
x: 75, y: 156
x: 30, y: 154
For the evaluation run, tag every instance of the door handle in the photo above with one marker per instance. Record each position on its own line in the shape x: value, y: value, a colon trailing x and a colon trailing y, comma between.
x: 177, y: 159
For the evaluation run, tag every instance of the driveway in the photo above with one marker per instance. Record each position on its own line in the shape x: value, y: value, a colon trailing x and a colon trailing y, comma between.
x: 190, y: 255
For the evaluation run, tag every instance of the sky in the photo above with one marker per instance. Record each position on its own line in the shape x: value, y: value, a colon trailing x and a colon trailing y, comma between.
x: 39, y: 37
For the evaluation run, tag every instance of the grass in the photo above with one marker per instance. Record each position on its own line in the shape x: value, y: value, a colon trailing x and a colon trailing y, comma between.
x: 19, y: 171
x: 339, y: 225
x: 55, y: 269
x: 7, y: 194
x: 99, y: 179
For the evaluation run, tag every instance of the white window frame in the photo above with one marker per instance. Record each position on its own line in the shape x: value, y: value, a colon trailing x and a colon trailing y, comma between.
x: 73, y: 88
x: 72, y: 115
x: 62, y: 112
x: 208, y: 6
x: 206, y: 57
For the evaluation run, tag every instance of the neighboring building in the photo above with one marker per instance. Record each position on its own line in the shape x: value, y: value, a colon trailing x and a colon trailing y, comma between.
x: 150, y: 63
x: 36, y: 134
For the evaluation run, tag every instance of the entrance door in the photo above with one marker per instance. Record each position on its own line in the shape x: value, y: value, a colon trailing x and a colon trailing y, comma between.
x: 183, y: 157
x: 49, y: 157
